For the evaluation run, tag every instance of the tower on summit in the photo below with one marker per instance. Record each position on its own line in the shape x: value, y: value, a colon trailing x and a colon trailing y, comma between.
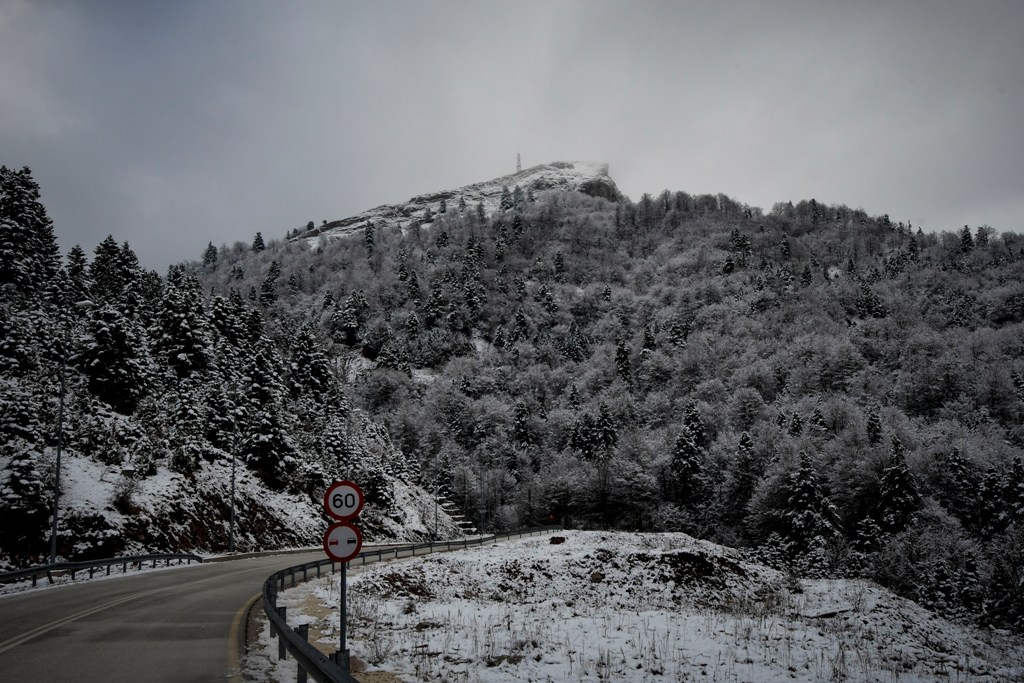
x: 519, y: 163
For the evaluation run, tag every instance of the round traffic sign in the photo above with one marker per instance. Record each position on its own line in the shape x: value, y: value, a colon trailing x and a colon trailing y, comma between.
x: 342, y: 542
x: 343, y: 500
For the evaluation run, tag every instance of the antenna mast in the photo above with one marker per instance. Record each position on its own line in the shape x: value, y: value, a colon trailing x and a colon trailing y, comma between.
x: 519, y: 163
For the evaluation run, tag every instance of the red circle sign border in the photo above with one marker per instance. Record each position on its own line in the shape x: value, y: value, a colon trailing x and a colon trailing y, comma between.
x: 337, y: 485
x: 359, y: 541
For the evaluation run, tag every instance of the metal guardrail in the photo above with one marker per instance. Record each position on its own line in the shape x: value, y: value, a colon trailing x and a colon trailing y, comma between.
x: 91, y: 566
x: 325, y: 668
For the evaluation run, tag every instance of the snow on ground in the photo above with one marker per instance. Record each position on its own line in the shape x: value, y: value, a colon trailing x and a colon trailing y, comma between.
x: 636, y: 607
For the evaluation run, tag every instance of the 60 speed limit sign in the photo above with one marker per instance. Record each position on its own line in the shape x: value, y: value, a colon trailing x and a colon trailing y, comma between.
x: 343, y: 500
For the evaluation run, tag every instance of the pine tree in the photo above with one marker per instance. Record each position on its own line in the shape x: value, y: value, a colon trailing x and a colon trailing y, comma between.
x: 257, y: 243
x: 268, y: 290
x: 181, y: 330
x: 1013, y: 492
x: 966, y: 241
x: 345, y: 321
x: 874, y: 427
x: 442, y: 208
x: 210, y: 255
x: 518, y: 200
x: 368, y: 239
x: 506, y: 198
x: 109, y: 280
x: 809, y: 518
x: 607, y: 431
x: 796, y: 425
x: 898, y: 496
x: 436, y: 306
x: 29, y: 257
x: 741, y: 481
x: 687, y: 469
x: 622, y: 361
x: 958, y: 486
x: 309, y: 370
x: 115, y: 360
x: 78, y: 274
x: 462, y: 204
x: 818, y: 421
x: 694, y: 424
x: 521, y: 432
x: 574, y: 398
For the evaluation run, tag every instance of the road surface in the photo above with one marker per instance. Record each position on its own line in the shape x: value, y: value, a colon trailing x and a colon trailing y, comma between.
x: 182, y: 624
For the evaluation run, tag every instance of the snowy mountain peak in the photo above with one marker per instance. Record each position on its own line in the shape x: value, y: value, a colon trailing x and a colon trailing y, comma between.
x: 588, y: 177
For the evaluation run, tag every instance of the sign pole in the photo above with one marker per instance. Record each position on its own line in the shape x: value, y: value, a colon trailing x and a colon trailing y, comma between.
x: 343, y: 501
x: 343, y: 615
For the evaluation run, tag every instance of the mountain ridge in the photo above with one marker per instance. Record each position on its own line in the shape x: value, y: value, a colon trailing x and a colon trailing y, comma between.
x: 589, y: 177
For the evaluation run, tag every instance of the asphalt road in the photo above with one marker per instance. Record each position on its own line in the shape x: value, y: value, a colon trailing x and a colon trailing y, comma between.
x: 181, y: 625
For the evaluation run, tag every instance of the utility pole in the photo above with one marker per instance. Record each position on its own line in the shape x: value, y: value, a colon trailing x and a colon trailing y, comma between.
x: 82, y: 306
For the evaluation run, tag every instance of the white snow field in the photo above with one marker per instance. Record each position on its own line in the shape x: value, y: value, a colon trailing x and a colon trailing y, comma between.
x: 603, y: 606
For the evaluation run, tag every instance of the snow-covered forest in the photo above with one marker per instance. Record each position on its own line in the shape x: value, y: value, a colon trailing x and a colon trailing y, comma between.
x: 834, y: 393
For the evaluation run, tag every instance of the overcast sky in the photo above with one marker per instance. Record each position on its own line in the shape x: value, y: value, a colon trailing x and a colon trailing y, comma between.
x: 171, y: 124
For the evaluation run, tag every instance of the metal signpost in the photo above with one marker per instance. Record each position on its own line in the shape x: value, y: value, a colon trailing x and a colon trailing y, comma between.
x: 342, y: 542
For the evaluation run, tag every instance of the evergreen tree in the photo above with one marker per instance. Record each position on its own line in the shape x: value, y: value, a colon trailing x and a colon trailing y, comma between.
x: 958, y: 486
x: 607, y: 431
x: 796, y: 425
x: 368, y: 239
x: 309, y: 369
x: 898, y: 496
x: 181, y: 330
x: 1013, y: 492
x: 622, y: 361
x: 966, y: 241
x: 109, y: 280
x: 462, y: 204
x: 518, y: 200
x: 874, y: 427
x: 78, y: 274
x: 694, y: 424
x: 521, y: 433
x: 687, y: 469
x: 574, y: 398
x: 436, y: 306
x: 442, y: 208
x: 29, y: 257
x: 257, y: 243
x: 115, y: 360
x: 506, y: 199
x: 818, y: 422
x: 744, y: 475
x: 210, y: 255
x: 346, y: 321
x: 809, y: 520
x: 268, y: 290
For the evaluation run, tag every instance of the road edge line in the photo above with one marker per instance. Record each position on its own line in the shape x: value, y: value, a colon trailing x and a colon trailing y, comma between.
x: 238, y: 644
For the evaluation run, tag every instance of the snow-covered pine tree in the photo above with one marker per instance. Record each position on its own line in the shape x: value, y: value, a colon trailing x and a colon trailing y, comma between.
x: 809, y: 519
x: 898, y: 495
x: 115, y: 360
x: 694, y: 424
x: 687, y: 469
x: 28, y: 249
x: 506, y: 198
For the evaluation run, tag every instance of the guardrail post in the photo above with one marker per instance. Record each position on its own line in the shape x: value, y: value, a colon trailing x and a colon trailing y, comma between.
x: 282, y: 651
x: 303, y: 632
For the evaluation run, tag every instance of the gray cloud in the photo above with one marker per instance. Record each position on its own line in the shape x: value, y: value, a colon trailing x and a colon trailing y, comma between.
x: 173, y: 124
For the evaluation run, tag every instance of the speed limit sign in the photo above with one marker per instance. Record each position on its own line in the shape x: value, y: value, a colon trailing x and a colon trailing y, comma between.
x: 343, y: 500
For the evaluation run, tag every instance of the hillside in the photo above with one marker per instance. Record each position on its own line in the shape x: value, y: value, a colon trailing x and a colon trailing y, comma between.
x: 838, y: 393
x: 606, y: 606
x: 838, y: 390
x: 152, y: 390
